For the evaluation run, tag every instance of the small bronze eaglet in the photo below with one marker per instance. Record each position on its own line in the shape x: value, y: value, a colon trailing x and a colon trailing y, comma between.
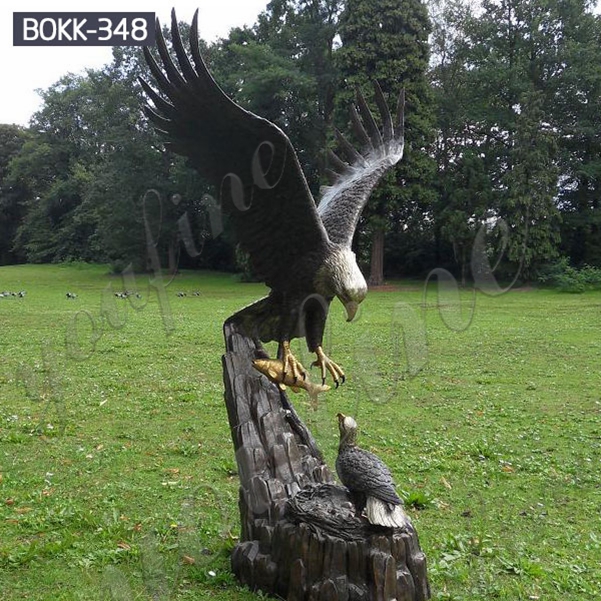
x: 368, y: 480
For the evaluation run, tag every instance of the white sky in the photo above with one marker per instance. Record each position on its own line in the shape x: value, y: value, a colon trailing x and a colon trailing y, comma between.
x: 25, y: 69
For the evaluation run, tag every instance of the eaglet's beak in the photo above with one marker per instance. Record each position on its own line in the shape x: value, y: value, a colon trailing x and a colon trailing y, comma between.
x: 351, y: 310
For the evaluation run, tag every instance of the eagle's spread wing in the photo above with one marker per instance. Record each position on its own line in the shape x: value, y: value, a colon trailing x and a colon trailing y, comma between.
x: 353, y: 181
x: 249, y: 159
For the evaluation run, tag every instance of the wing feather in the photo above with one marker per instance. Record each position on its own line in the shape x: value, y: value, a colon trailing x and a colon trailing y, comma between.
x: 247, y: 158
x: 341, y: 204
x: 370, y: 123
x: 361, y: 471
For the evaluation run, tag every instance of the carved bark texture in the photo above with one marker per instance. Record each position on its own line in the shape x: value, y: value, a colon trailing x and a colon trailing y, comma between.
x: 300, y: 539
x: 376, y: 272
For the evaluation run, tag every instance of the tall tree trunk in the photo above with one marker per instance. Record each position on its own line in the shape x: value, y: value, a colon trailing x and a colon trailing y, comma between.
x: 173, y: 257
x: 376, y: 274
x: 301, y: 539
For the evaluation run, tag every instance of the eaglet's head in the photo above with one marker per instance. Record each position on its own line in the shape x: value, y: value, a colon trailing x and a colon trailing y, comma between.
x: 348, y: 428
x: 340, y: 276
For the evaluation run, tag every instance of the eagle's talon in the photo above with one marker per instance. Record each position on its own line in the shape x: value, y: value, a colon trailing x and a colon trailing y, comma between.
x: 326, y: 364
x: 291, y: 365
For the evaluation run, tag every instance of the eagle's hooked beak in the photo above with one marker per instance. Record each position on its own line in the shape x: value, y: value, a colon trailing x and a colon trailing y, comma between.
x: 351, y: 310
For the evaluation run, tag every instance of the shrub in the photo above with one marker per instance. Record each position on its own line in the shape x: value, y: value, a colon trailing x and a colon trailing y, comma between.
x: 567, y: 278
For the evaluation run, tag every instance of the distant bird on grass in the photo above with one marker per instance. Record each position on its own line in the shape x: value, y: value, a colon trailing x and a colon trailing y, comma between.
x: 368, y: 479
x: 6, y: 294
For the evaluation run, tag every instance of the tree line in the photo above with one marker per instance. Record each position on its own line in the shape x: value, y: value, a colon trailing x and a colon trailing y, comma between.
x: 503, y: 133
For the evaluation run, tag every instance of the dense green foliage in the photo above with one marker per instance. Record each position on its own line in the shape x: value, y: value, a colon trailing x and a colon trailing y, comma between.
x: 117, y: 472
x: 387, y: 41
x: 503, y: 126
x: 12, y: 140
x: 518, y: 131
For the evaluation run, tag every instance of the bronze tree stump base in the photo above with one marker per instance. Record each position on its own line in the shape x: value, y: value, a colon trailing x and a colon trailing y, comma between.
x: 300, y: 537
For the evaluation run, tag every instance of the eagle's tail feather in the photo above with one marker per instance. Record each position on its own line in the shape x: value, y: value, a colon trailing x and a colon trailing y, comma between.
x: 260, y: 319
x: 386, y: 514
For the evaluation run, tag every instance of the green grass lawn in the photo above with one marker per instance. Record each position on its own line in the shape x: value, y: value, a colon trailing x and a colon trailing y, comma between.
x: 117, y: 474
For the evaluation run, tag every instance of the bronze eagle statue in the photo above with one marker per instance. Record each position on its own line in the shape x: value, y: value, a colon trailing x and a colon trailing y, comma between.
x: 300, y: 249
x: 368, y: 480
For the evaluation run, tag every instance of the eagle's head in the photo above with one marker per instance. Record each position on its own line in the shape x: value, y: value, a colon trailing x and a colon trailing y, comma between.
x: 340, y: 276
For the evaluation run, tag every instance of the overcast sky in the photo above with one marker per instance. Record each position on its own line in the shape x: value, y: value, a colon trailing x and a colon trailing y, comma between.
x: 25, y: 69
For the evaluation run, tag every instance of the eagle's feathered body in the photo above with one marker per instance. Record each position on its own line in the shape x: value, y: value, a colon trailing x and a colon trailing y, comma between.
x: 301, y: 251
x: 368, y: 479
